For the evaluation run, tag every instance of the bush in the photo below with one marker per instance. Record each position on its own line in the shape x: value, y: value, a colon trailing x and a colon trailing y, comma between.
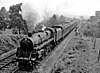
x: 15, y: 31
x: 9, y: 42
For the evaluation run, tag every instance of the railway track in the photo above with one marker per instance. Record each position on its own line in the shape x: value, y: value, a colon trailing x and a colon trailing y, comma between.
x: 7, y: 62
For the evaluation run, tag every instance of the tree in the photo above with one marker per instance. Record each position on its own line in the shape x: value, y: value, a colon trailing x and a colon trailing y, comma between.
x: 16, y: 18
x: 25, y: 27
x: 55, y: 20
x: 99, y: 26
x: 4, y: 17
x: 52, y: 21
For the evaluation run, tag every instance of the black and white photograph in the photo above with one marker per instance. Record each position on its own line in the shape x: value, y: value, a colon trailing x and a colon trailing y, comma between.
x: 49, y: 36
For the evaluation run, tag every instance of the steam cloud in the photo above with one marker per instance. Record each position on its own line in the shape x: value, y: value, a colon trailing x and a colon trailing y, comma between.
x: 30, y: 15
x: 33, y: 13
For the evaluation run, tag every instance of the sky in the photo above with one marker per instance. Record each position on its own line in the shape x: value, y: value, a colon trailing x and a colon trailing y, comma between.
x: 63, y: 7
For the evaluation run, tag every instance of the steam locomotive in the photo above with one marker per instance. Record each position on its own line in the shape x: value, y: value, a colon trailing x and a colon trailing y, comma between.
x: 37, y: 45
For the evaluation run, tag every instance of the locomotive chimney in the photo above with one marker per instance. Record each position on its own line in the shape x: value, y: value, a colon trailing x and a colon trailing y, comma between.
x: 29, y: 34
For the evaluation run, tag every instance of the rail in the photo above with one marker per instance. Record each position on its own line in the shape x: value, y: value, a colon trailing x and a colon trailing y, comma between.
x: 6, y: 60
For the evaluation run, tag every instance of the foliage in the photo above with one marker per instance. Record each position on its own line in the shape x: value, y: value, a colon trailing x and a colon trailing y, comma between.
x: 54, y: 20
x: 9, y: 42
x: 74, y: 58
x: 90, y: 30
x: 12, y: 19
x: 88, y: 33
x: 16, y: 18
x: 4, y: 17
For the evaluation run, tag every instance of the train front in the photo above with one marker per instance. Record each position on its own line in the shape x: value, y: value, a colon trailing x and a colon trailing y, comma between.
x: 26, y: 55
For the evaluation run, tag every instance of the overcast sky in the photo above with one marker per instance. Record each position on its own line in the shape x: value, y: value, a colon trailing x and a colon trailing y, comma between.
x: 65, y: 7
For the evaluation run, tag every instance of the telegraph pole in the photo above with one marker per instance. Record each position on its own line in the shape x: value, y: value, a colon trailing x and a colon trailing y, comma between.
x: 99, y: 48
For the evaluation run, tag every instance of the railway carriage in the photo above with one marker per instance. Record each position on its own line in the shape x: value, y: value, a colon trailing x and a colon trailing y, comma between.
x: 68, y: 27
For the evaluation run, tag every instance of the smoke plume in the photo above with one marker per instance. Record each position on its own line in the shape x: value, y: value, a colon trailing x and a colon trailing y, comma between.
x: 36, y: 11
x: 30, y: 15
